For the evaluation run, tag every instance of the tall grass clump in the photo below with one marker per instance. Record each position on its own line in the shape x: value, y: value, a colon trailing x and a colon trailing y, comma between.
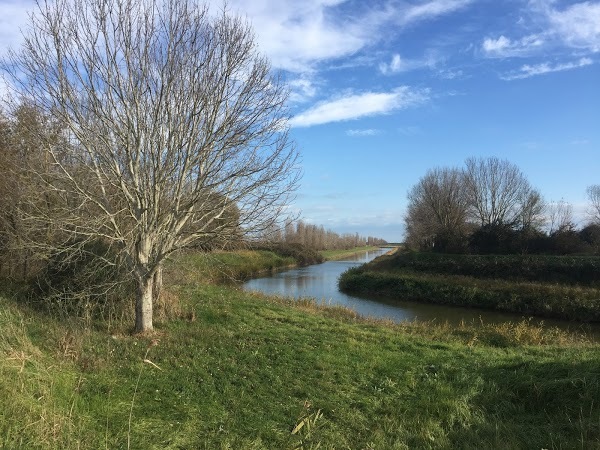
x: 37, y: 392
x: 224, y: 267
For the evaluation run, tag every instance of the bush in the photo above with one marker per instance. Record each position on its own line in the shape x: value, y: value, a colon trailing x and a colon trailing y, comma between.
x: 563, y: 302
x: 83, y: 279
x: 304, y: 256
x: 497, y: 239
x: 591, y: 236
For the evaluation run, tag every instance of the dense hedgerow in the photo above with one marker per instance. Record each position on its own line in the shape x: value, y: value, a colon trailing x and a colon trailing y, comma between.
x: 563, y: 287
x: 545, y: 300
x: 574, y: 270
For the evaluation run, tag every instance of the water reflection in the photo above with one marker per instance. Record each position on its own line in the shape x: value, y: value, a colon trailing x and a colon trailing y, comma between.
x: 320, y: 282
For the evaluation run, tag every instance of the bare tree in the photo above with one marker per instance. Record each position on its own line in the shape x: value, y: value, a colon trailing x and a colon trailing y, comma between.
x: 174, y: 121
x: 593, y: 193
x: 22, y: 133
x: 436, y: 208
x: 495, y: 190
x: 531, y: 211
x: 560, y: 217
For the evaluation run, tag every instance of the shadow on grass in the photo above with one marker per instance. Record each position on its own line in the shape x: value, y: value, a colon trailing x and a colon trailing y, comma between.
x: 528, y: 403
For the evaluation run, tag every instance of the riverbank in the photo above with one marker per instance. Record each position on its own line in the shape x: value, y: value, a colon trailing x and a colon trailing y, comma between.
x: 338, y: 255
x: 240, y: 265
x: 554, y: 287
x: 225, y: 267
x: 230, y: 369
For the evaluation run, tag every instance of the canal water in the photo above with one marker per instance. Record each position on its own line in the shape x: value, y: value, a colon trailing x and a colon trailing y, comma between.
x: 320, y: 282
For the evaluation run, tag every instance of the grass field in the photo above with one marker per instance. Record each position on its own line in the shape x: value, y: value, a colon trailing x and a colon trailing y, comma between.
x: 235, y: 370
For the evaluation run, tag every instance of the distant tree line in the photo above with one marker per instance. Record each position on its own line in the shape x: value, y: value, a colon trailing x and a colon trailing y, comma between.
x: 316, y: 237
x: 489, y: 206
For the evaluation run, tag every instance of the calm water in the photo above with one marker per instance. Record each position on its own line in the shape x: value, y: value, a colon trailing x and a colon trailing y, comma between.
x: 320, y: 282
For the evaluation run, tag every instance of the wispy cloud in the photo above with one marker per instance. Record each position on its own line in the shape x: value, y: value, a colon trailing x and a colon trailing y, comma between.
x: 577, y: 26
x: 399, y: 64
x: 432, y: 9
x: 302, y: 89
x: 363, y: 133
x: 503, y: 47
x: 527, y: 70
x: 298, y: 35
x: 355, y: 106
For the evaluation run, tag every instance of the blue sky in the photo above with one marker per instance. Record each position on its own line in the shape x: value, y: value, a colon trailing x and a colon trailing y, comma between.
x: 383, y: 90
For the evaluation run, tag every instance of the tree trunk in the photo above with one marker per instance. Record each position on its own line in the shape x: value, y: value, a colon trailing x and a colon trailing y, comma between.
x: 157, y: 282
x: 143, y: 305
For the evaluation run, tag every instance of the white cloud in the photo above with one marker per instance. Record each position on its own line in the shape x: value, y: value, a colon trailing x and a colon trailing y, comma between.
x: 296, y: 35
x: 302, y: 89
x: 578, y: 25
x: 399, y: 64
x: 396, y: 65
x: 527, y: 70
x: 360, y: 105
x: 504, y: 47
x: 447, y: 74
x: 363, y: 133
x: 496, y: 45
x: 432, y: 9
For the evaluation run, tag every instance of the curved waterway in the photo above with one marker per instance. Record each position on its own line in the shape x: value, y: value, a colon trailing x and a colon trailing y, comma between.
x: 320, y: 282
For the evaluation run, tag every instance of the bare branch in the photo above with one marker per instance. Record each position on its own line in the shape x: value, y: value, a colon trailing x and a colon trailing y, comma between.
x: 176, y: 127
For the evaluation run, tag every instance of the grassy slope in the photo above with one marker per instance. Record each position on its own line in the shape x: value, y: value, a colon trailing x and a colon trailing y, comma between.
x: 333, y: 255
x: 506, y: 283
x: 240, y: 370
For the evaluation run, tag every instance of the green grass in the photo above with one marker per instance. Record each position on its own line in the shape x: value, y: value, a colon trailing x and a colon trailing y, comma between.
x: 481, y: 281
x: 572, y: 270
x: 333, y: 255
x: 241, y: 370
x: 224, y: 267
x: 537, y: 299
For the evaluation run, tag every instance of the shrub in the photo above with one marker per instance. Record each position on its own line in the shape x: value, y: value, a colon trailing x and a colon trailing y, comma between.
x: 564, y: 302
x: 84, y: 279
x: 304, y: 256
x: 582, y: 270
